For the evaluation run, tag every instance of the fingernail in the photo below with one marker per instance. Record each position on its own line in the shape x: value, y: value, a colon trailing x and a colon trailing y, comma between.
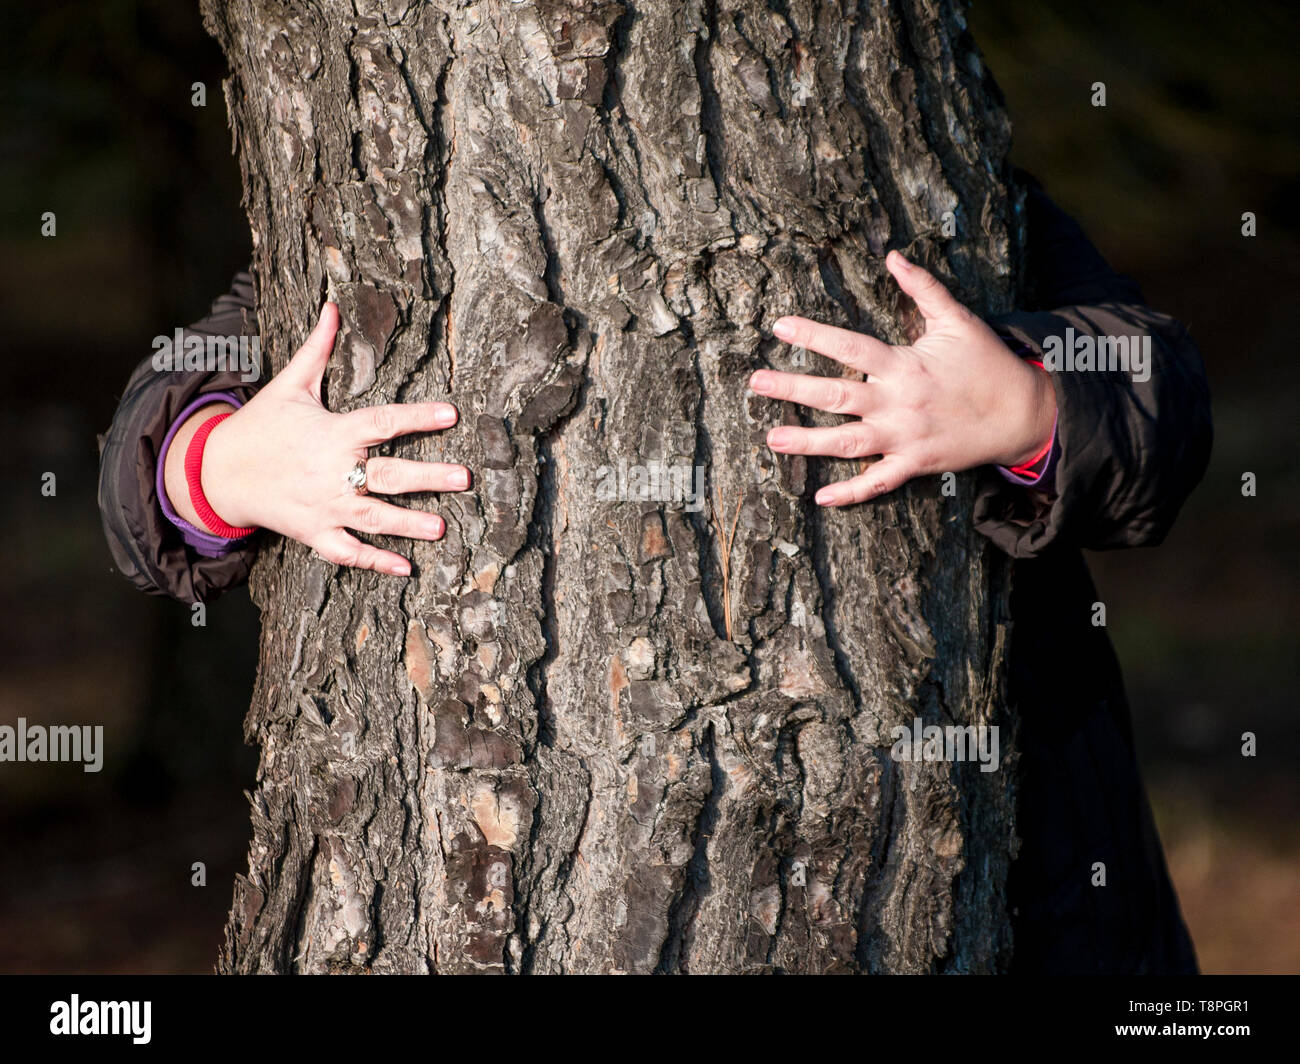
x: 783, y: 329
x: 825, y: 497
x: 433, y: 526
x: 400, y: 569
x: 459, y: 479
x: 761, y: 381
x: 777, y: 438
x: 445, y: 414
x: 900, y: 261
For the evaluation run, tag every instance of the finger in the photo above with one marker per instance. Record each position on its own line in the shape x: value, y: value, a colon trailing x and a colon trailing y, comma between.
x: 342, y: 549
x: 307, y: 366
x: 857, y: 439
x: 889, y: 474
x: 369, y: 515
x: 934, y: 301
x: 394, y: 476
x: 863, y: 353
x: 834, y: 394
x: 375, y: 424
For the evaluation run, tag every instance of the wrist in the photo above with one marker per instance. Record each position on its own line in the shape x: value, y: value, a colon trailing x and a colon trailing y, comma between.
x: 213, y: 482
x: 174, y: 482
x: 1037, y: 425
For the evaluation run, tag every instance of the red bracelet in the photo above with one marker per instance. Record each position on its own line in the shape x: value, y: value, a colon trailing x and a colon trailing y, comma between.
x: 1026, y: 469
x: 194, y: 478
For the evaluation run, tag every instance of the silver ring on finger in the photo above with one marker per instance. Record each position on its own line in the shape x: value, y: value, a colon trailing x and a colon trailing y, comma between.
x: 356, y: 477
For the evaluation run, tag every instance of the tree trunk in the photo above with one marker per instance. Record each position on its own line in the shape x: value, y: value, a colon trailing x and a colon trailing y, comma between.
x: 594, y: 732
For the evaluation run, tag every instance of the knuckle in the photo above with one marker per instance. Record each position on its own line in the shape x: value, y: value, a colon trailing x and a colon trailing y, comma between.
x: 369, y: 517
x: 838, y: 396
x: 846, y: 348
x: 411, y: 522
x: 916, y: 381
x: 845, y: 444
x: 381, y: 476
x: 382, y: 420
x: 336, y: 554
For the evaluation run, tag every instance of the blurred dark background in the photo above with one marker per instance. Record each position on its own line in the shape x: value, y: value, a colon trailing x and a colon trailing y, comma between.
x: 1201, y: 123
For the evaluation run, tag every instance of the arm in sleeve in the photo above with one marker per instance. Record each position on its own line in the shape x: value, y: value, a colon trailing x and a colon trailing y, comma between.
x: 146, y: 543
x: 1131, y: 444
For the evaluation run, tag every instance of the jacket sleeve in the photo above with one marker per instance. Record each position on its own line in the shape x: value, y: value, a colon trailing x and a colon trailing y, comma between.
x: 147, y: 548
x: 1133, y: 444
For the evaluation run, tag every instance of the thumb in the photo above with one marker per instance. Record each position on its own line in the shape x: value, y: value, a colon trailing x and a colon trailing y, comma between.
x: 307, y: 366
x: 931, y: 298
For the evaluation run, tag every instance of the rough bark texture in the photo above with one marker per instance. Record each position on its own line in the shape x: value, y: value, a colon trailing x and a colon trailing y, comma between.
x: 578, y: 221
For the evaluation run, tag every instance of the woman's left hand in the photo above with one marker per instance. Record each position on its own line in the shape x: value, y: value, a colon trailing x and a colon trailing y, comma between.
x: 956, y: 398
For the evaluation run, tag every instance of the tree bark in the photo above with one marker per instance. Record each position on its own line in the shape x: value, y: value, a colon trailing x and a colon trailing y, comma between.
x: 596, y: 733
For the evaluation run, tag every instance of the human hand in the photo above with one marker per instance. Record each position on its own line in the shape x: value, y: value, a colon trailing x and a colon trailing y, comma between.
x: 279, y: 462
x: 956, y: 398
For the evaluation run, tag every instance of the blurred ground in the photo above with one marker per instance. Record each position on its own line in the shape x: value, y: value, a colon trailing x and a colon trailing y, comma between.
x: 1201, y: 124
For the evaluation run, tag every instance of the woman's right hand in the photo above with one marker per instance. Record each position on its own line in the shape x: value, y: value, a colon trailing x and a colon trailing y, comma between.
x: 279, y: 462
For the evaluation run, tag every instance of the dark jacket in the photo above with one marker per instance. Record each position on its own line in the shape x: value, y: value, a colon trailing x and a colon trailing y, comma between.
x: 146, y: 546
x: 1129, y: 455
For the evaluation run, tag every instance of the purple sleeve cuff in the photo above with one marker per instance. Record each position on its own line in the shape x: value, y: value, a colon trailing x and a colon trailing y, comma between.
x: 203, y: 542
x: 1045, y: 478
